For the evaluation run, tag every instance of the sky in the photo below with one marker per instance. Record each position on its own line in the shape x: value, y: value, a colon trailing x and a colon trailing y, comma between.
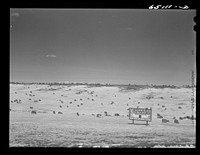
x: 116, y: 46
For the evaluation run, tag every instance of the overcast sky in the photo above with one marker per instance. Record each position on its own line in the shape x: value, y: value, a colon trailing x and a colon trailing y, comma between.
x: 107, y: 46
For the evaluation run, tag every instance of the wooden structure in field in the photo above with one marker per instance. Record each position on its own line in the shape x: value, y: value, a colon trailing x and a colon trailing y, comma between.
x: 140, y: 114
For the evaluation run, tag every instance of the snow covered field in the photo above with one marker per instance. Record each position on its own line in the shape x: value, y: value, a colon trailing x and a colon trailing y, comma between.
x: 66, y: 116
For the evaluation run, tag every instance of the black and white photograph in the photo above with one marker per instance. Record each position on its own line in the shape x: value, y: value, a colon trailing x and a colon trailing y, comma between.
x: 102, y: 78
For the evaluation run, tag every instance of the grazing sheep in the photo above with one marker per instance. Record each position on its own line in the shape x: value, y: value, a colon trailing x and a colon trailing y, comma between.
x: 29, y: 98
x: 70, y: 102
x: 78, y: 105
x: 81, y: 103
x: 127, y: 104
x: 180, y: 107
x: 138, y: 102
x: 129, y: 98
x: 101, y: 103
x: 39, y: 100
x: 54, y: 112
x: 88, y: 98
x: 33, y: 112
x: 181, y: 118
x: 165, y: 120
x: 99, y: 115
x: 60, y: 106
x: 31, y: 107
x: 112, y: 102
x: 176, y: 121
x: 188, y: 117
x: 77, y: 114
x: 159, y: 116
x: 92, y: 99
x: 81, y: 99
x: 116, y: 114
x: 161, y: 97
x: 74, y: 99
x: 106, y: 113
x: 93, y: 114
x: 60, y: 112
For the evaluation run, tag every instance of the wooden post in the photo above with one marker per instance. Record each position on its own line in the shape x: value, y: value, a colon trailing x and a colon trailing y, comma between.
x: 133, y: 121
x: 146, y: 122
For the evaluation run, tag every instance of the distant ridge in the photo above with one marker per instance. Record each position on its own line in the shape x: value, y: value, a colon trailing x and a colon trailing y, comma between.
x: 129, y: 86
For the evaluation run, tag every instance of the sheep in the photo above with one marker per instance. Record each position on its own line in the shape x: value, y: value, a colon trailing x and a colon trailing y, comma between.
x: 116, y: 114
x: 165, y: 120
x: 181, y: 118
x: 60, y: 112
x: 160, y: 116
x: 99, y: 115
x: 60, y: 106
x: 33, y: 112
x: 77, y: 114
x: 54, y: 112
x: 176, y: 121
